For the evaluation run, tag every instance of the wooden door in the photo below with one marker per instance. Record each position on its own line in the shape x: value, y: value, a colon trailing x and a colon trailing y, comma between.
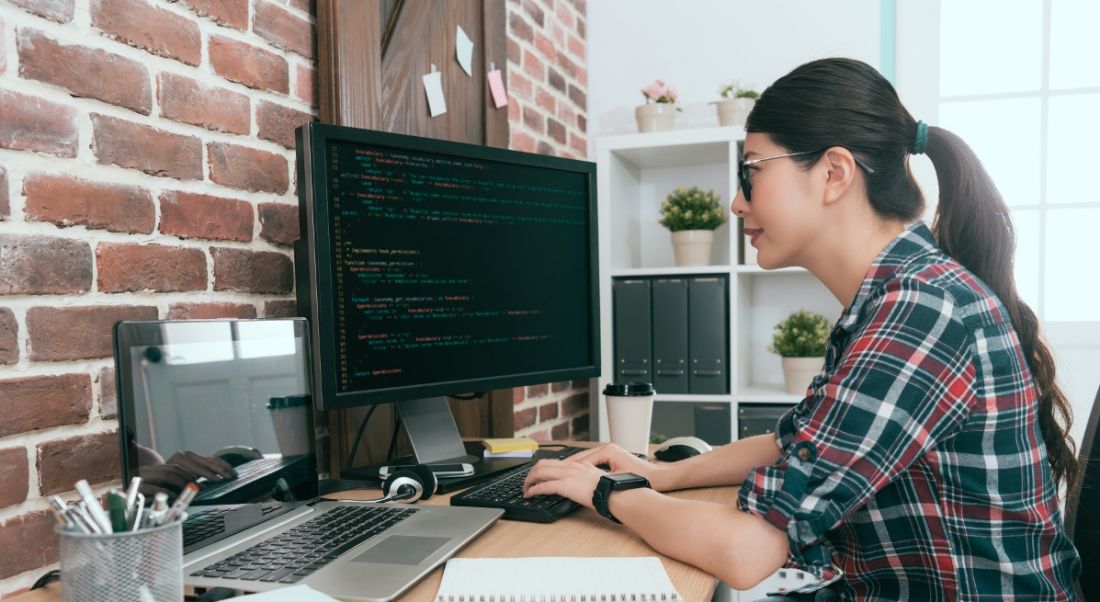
x: 372, y: 55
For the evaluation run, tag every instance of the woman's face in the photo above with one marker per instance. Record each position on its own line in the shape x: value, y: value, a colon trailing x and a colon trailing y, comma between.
x: 783, y: 217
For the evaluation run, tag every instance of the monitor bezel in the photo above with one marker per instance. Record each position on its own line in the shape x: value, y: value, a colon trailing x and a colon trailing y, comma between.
x: 316, y: 251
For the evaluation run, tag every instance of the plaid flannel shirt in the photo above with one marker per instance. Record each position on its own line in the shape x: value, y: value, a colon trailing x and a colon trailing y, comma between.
x: 915, y: 468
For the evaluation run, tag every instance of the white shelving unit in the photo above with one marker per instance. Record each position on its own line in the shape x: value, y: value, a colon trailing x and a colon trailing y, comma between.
x: 635, y: 173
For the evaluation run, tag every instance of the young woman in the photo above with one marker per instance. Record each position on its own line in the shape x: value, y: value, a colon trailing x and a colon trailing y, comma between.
x: 924, y: 461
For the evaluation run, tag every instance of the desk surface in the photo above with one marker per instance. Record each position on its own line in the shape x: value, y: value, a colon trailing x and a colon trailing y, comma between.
x: 583, y: 533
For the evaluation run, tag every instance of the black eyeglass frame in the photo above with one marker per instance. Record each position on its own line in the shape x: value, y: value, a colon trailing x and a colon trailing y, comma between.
x: 743, y: 169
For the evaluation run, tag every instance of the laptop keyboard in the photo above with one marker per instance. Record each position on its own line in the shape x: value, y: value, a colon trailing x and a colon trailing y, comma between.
x: 299, y: 552
x: 506, y: 492
x: 246, y: 473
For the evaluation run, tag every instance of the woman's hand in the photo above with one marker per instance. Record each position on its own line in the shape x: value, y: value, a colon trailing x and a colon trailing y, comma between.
x: 573, y: 480
x: 617, y: 459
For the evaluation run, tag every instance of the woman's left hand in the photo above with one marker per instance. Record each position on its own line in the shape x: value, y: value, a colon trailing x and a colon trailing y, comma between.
x: 573, y: 480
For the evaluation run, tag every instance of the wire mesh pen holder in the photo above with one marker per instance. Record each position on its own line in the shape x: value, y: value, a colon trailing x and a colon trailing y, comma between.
x: 138, y: 566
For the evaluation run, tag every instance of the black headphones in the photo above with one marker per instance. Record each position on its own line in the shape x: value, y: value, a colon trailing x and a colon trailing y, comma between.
x: 409, y: 485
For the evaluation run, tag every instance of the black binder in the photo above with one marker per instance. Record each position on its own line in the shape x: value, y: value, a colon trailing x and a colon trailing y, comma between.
x: 670, y: 335
x: 633, y: 331
x: 708, y: 333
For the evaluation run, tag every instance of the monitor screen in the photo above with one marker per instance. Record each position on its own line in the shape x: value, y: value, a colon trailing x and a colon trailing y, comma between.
x: 435, y: 268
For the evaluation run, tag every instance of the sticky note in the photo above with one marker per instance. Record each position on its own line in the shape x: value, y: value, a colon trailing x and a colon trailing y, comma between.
x: 433, y: 85
x: 496, y: 86
x: 464, y: 50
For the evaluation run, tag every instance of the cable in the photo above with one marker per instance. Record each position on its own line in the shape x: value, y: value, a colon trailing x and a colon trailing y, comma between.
x: 359, y: 437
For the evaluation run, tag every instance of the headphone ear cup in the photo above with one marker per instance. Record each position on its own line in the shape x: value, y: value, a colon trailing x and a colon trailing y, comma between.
x: 427, y: 480
x: 403, y: 483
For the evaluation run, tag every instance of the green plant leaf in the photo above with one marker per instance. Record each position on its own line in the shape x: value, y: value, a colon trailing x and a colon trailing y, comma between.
x: 692, y: 209
x: 801, y: 334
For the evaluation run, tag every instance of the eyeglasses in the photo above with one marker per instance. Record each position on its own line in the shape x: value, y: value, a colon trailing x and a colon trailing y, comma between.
x: 743, y: 169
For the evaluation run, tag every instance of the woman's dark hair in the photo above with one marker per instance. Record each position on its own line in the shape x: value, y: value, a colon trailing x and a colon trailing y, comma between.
x: 844, y: 102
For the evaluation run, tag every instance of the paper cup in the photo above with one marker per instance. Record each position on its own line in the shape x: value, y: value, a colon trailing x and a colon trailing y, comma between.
x: 629, y: 414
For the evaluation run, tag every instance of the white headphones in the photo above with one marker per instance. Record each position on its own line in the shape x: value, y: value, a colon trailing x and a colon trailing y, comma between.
x: 408, y: 485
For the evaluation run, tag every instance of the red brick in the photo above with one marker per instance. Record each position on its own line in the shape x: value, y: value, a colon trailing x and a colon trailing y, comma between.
x: 519, y: 394
x: 63, y: 462
x: 548, y: 411
x: 139, y: 24
x: 524, y: 418
x: 545, y: 148
x: 520, y: 29
x: 27, y: 542
x: 560, y: 432
x: 533, y: 66
x: 513, y: 112
x: 582, y: 123
x: 9, y: 338
x: 78, y: 333
x: 13, y: 474
x: 556, y: 130
x: 153, y: 151
x: 184, y: 99
x: 521, y: 142
x: 520, y: 86
x: 247, y: 168
x: 533, y: 118
x: 39, y: 402
x: 44, y: 265
x: 85, y: 72
x: 537, y: 390
x: 69, y: 201
x: 282, y: 28
x: 579, y: 426
x: 131, y: 267
x: 559, y: 386
x: 574, y: 404
x: 578, y: 97
x: 304, y: 88
x: 309, y: 6
x: 244, y: 63
x: 210, y: 311
x: 56, y: 10
x: 564, y: 13
x: 233, y: 13
x: 3, y: 51
x: 252, y: 271
x: 279, y: 223
x: 282, y: 308
x: 545, y: 47
x: 579, y: 143
x: 541, y: 436
x: 546, y: 100
x: 514, y: 52
x: 276, y: 123
x: 35, y: 124
x: 191, y: 215
x: 5, y: 206
x: 555, y: 79
x: 535, y: 11
x: 108, y: 394
x: 577, y: 47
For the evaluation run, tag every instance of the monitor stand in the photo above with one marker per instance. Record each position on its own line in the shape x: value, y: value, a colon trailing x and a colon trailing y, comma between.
x: 435, y: 440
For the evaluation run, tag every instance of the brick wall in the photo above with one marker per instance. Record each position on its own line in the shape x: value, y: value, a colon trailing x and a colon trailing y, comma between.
x: 146, y: 171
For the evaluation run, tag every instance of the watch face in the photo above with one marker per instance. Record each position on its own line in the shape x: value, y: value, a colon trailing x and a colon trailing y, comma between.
x: 624, y: 478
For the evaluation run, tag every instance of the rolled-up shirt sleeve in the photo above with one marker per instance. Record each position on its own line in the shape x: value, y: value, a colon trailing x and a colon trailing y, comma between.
x: 903, y: 383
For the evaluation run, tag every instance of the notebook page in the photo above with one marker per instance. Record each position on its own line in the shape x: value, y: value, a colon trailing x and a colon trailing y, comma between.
x: 555, y: 579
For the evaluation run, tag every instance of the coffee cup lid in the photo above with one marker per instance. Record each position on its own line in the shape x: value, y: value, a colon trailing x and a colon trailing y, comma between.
x: 629, y: 389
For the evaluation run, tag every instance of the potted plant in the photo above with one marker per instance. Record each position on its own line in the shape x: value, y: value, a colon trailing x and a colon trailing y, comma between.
x: 659, y: 111
x: 691, y: 215
x: 736, y: 104
x: 800, y: 340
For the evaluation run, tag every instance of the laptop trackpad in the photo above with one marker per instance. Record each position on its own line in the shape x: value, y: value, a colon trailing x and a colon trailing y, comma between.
x: 402, y: 549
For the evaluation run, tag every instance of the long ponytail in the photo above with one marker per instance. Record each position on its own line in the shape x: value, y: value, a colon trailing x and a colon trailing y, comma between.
x: 844, y: 102
x: 973, y: 226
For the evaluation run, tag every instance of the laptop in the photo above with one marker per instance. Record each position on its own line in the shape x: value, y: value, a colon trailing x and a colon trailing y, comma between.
x: 238, y: 391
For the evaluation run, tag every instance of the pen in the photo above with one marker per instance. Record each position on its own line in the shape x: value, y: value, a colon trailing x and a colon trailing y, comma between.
x: 135, y: 520
x: 61, y: 511
x: 116, y: 508
x: 182, y: 502
x: 81, y: 512
x: 131, y: 496
x: 156, y: 513
x: 92, y: 506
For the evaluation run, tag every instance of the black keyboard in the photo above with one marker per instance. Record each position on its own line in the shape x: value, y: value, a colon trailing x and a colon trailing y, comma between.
x: 299, y: 552
x: 506, y: 492
x: 246, y: 474
x: 209, y: 525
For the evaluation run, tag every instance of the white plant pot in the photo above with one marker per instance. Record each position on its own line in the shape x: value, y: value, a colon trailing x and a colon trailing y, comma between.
x: 655, y: 117
x: 692, y: 247
x: 734, y: 111
x: 799, y: 371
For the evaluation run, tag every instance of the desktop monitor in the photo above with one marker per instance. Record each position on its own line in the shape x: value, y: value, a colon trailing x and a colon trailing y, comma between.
x: 431, y: 268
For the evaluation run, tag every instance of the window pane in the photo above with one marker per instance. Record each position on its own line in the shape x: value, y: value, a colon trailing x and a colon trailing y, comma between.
x: 1005, y: 136
x: 1071, y: 287
x: 1074, y: 45
x: 977, y: 57
x: 1074, y: 126
x: 1026, y: 222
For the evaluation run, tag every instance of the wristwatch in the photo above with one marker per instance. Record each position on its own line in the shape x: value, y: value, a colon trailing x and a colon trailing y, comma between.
x: 614, y: 482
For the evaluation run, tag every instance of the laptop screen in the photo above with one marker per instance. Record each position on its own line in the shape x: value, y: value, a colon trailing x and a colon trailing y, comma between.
x: 223, y: 403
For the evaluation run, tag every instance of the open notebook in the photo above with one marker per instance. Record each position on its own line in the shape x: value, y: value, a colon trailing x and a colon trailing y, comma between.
x: 556, y: 579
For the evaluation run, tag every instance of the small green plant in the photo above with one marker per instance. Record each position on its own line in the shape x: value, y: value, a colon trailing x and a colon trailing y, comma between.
x: 802, y: 334
x: 734, y: 90
x: 692, y: 209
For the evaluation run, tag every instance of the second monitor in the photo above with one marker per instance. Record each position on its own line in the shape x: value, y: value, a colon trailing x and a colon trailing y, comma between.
x: 431, y: 268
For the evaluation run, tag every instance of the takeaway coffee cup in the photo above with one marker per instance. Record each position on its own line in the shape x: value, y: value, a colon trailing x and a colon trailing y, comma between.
x: 629, y: 413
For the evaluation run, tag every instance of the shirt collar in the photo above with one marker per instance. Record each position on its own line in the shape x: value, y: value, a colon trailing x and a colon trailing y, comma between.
x: 916, y: 240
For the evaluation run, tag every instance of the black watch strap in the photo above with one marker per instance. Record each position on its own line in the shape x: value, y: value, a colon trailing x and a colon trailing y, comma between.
x: 601, y: 496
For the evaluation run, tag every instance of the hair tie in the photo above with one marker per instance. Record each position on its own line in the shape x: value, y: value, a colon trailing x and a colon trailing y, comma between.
x: 922, y: 138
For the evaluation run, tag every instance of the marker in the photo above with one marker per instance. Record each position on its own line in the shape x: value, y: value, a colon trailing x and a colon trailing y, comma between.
x: 116, y: 507
x: 61, y: 512
x: 84, y: 517
x: 92, y: 506
x: 182, y: 502
x: 139, y: 509
x: 131, y: 496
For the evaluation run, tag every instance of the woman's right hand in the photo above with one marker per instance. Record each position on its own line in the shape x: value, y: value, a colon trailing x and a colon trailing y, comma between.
x: 617, y: 459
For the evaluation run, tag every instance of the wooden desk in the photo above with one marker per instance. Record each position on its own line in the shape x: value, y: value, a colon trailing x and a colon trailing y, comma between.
x: 583, y: 533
